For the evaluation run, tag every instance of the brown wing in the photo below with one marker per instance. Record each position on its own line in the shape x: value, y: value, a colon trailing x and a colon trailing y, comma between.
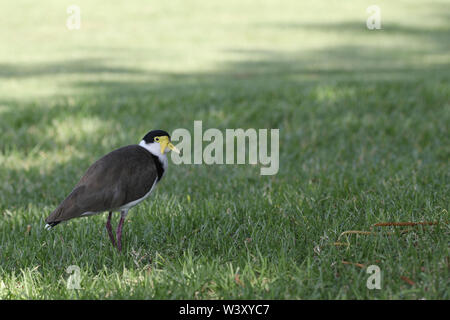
x: 120, y: 177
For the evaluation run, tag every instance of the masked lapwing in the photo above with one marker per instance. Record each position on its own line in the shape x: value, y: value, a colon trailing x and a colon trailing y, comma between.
x: 117, y: 182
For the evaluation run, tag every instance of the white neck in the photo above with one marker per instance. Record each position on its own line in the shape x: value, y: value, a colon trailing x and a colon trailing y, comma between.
x: 155, y: 149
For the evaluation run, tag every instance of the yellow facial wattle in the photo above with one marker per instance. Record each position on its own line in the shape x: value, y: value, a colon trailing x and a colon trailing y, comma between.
x: 164, y: 143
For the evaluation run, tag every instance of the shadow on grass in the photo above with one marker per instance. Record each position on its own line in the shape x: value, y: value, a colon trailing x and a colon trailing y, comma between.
x: 77, y: 66
x: 340, y: 108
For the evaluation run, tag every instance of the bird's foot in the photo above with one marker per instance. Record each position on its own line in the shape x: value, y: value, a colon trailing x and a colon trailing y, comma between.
x: 110, y: 231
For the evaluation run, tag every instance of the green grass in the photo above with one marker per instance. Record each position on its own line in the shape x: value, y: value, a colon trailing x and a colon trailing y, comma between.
x: 363, y: 118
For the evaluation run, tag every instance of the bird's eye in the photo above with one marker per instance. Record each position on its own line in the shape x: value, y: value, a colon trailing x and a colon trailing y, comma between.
x: 156, y: 139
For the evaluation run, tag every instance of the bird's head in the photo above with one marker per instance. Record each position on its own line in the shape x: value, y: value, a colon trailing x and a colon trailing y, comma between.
x: 158, y: 142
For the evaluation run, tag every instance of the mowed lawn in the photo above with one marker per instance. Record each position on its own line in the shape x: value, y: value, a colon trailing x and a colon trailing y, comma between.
x: 364, y: 138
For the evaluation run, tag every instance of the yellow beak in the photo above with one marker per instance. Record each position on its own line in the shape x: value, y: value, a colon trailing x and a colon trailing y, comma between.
x: 165, y: 142
x: 173, y: 148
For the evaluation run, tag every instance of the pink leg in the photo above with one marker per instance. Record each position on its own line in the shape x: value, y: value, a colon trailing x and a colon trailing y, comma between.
x: 119, y: 230
x: 109, y: 228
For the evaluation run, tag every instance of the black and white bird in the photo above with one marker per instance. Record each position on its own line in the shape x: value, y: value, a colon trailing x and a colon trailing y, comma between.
x: 117, y: 182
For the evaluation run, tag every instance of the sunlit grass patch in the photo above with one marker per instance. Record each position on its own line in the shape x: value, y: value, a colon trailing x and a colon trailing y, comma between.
x: 363, y: 118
